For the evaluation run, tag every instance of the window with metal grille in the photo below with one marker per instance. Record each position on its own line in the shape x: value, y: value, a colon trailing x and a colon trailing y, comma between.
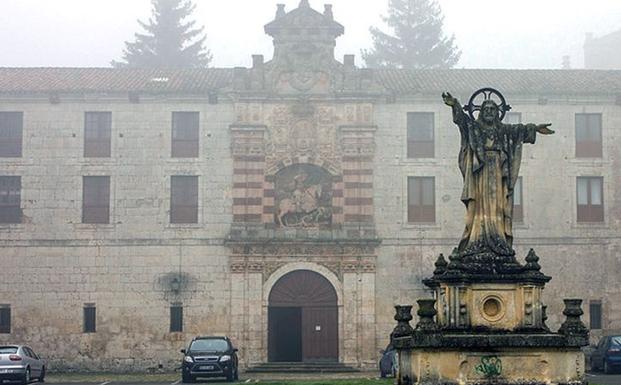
x: 185, y: 132
x: 421, y: 199
x: 590, y: 198
x: 5, y: 318
x: 96, y: 199
x: 518, y: 208
x: 588, y: 135
x: 595, y: 314
x: 184, y: 199
x: 97, y: 134
x: 176, y: 318
x: 11, y: 131
x: 10, y: 199
x: 420, y: 135
x: 90, y: 318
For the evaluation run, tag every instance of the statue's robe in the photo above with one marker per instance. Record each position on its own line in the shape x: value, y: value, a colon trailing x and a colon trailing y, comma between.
x: 489, y: 161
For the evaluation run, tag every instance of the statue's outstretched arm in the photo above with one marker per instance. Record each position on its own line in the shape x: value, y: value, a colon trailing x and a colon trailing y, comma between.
x: 459, y: 117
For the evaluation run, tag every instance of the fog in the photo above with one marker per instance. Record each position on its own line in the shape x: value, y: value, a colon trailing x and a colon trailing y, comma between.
x: 500, y: 34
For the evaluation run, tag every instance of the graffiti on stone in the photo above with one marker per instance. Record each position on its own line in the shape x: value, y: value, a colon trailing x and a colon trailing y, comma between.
x: 303, y: 196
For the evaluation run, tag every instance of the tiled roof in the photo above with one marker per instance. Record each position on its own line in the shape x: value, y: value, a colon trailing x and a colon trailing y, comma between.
x: 15, y: 80
x: 528, y: 82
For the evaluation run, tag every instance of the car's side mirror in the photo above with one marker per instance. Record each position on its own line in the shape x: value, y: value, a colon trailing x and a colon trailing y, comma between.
x: 183, y: 351
x: 235, y: 350
x: 382, y: 351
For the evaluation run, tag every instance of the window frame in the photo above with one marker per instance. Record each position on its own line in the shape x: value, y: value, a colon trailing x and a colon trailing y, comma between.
x: 185, y: 140
x: 89, y: 320
x: 426, y: 213
x: 11, y: 138
x: 599, y: 321
x: 89, y: 211
x: 177, y: 215
x: 11, y: 210
x: 5, y: 315
x: 588, y: 148
x: 176, y: 318
x: 98, y: 146
x: 416, y: 146
x: 590, y: 213
x: 518, y: 210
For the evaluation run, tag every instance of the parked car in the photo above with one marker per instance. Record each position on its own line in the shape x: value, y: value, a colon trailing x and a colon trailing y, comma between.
x: 21, y: 363
x: 389, y: 363
x: 607, y: 354
x: 209, y: 357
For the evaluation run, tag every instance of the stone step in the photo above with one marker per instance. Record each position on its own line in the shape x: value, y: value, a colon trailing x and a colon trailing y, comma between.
x: 301, y: 367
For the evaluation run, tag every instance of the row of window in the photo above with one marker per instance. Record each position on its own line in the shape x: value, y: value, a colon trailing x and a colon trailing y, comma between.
x: 89, y: 319
x: 184, y: 199
x: 420, y: 134
x: 176, y: 317
x: 98, y: 134
x: 96, y: 199
x: 589, y: 193
x: 185, y: 134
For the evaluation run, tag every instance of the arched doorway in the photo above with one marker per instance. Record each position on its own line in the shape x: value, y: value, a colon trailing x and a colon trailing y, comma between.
x: 302, y: 319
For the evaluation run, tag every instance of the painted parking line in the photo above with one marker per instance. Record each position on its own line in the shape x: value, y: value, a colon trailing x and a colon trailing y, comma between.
x: 175, y: 383
x: 105, y: 383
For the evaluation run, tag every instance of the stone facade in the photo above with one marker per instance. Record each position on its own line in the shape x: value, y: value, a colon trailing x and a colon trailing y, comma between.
x: 302, y: 166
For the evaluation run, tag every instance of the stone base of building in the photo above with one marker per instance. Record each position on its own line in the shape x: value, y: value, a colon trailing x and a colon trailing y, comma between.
x: 500, y: 367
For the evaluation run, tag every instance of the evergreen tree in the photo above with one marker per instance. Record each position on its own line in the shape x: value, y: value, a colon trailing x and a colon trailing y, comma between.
x: 417, y: 40
x: 169, y: 42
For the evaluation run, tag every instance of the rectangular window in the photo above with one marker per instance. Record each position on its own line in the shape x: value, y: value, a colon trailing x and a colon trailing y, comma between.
x: 590, y: 199
x: 10, y: 199
x: 96, y: 199
x: 97, y: 134
x: 176, y: 318
x: 184, y: 199
x: 5, y: 318
x: 420, y: 135
x: 90, y: 318
x: 518, y: 208
x: 588, y: 135
x: 11, y: 131
x: 421, y: 199
x: 185, y: 129
x: 595, y: 314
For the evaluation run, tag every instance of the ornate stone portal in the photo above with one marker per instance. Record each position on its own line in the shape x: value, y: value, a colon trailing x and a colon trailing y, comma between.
x: 486, y: 324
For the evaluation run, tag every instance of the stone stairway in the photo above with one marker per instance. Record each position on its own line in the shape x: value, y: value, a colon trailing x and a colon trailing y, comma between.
x: 301, y: 367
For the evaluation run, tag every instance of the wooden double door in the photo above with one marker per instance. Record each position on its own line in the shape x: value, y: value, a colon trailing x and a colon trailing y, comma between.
x: 303, y: 319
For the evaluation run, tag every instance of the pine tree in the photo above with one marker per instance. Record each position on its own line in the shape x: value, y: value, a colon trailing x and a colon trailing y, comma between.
x: 169, y: 42
x: 417, y: 40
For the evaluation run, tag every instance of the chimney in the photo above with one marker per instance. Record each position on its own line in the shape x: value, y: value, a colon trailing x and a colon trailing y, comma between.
x: 304, y: 4
x: 257, y: 61
x: 280, y: 10
x: 566, y: 62
x: 349, y: 61
x: 327, y: 11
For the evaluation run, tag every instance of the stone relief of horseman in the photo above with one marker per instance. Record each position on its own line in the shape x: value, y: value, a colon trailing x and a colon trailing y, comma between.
x: 303, y: 197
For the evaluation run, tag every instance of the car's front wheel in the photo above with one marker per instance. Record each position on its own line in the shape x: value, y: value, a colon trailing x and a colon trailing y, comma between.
x: 26, y: 377
x: 42, y: 375
x: 607, y: 368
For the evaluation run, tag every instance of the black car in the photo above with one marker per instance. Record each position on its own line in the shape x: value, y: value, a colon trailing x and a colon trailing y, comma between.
x: 607, y: 355
x: 209, y: 357
x: 388, y: 364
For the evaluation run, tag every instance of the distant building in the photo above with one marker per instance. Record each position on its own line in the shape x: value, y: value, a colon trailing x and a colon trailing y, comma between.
x: 603, y: 52
x: 289, y: 205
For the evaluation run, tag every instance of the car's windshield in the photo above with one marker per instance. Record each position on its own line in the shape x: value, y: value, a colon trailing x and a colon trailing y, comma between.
x: 8, y: 349
x: 615, y: 342
x: 209, y: 345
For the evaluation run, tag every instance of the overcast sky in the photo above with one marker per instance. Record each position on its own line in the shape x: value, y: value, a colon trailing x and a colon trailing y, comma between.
x: 491, y: 34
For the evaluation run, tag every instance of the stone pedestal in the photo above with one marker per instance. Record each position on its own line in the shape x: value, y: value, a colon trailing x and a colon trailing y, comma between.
x: 486, y: 325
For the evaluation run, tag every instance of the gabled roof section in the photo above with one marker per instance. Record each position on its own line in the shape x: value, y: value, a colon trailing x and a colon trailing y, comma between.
x: 303, y: 19
x: 16, y: 80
